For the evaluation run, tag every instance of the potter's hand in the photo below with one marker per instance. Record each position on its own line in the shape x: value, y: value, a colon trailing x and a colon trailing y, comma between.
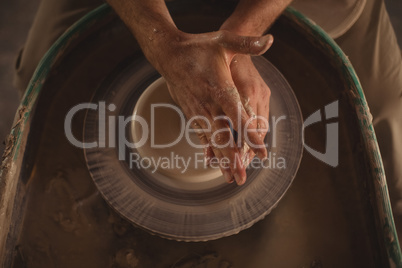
x: 198, y: 68
x: 254, y: 94
x: 213, y: 89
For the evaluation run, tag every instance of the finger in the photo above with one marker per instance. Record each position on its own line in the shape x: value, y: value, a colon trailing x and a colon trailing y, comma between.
x: 245, y: 44
x: 219, y: 157
x: 208, y: 152
x: 211, y: 153
x: 224, y: 167
x: 262, y: 119
x: 250, y: 106
x: 203, y: 111
x: 246, y: 155
x: 246, y: 126
x: 263, y: 113
x: 222, y: 138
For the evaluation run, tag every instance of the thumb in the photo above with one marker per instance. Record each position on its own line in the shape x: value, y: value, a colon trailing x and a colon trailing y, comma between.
x: 245, y: 44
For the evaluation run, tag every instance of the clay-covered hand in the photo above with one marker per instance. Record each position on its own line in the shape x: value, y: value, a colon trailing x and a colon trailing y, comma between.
x: 211, y: 77
x: 254, y: 94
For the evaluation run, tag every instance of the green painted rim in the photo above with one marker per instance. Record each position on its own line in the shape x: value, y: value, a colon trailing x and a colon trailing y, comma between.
x: 45, y: 65
x: 370, y: 141
x: 366, y: 127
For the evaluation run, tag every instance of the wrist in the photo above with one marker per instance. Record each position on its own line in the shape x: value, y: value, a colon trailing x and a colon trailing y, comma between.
x: 163, y: 36
x: 160, y: 44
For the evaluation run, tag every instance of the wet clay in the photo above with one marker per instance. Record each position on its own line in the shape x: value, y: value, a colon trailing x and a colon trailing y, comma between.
x: 168, y: 125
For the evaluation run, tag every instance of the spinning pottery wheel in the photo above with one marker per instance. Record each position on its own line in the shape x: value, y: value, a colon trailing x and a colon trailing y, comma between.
x: 193, y: 203
x: 54, y: 214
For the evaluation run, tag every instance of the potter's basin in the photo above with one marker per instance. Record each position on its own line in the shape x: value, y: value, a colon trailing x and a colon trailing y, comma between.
x: 330, y: 217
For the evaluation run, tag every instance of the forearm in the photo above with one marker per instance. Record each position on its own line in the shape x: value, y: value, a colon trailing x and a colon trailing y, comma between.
x: 197, y: 70
x: 149, y: 21
x: 253, y: 17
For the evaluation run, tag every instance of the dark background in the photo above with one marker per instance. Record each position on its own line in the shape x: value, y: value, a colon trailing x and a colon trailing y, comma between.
x: 16, y: 17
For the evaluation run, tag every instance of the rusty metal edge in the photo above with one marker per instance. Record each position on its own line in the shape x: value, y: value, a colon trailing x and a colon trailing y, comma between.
x: 389, y: 235
x: 12, y: 158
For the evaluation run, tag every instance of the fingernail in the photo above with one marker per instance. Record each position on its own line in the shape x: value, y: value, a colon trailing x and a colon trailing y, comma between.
x: 269, y: 39
x: 239, y: 180
x: 228, y: 176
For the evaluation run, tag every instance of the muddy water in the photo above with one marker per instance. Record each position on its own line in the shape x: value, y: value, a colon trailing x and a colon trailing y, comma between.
x: 324, y: 220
